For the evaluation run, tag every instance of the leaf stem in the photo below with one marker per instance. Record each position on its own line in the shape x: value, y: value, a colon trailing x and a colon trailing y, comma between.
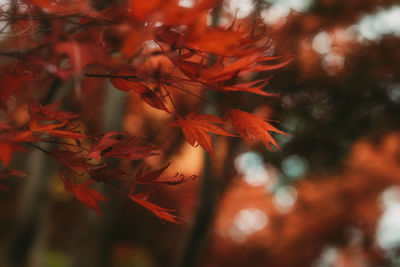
x: 95, y: 75
x: 39, y: 148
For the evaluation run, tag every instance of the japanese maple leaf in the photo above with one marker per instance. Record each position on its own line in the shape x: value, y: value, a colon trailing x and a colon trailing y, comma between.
x: 216, y: 40
x: 7, y: 148
x: 149, y: 177
x: 50, y: 112
x: 249, y: 126
x: 44, y: 117
x: 264, y: 63
x: 12, y: 83
x: 254, y: 87
x: 9, y: 142
x: 222, y: 76
x: 216, y: 78
x: 131, y: 151
x: 63, y: 6
x: 54, y: 129
x: 160, y: 212
x: 74, y: 160
x: 222, y: 71
x: 86, y: 195
x: 120, y: 145
x: 153, y: 177
x: 169, y: 12
x: 104, y: 144
x: 148, y: 95
x: 196, y: 128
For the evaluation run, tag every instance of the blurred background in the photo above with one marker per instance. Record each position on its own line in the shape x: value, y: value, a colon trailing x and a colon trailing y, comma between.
x: 329, y: 197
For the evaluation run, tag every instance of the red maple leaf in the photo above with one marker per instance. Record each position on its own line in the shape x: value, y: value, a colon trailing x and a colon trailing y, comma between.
x: 104, y: 144
x: 224, y: 76
x: 44, y: 120
x: 50, y: 112
x: 9, y: 142
x: 168, y: 11
x: 64, y: 6
x: 120, y: 145
x: 54, y: 129
x: 254, y: 87
x: 249, y: 126
x: 160, y: 212
x: 196, y: 128
x: 148, y: 47
x: 153, y: 177
x: 86, y: 195
x: 148, y: 95
x: 12, y: 82
x: 74, y: 160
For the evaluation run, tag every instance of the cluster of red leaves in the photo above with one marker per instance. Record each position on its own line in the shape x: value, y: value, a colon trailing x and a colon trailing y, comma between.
x: 119, y: 40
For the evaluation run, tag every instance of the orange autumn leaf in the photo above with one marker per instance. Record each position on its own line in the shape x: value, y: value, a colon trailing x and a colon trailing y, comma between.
x: 12, y: 83
x: 142, y: 9
x: 223, y: 76
x: 223, y: 71
x: 54, y: 129
x: 73, y: 160
x: 49, y: 119
x: 192, y: 70
x: 160, y: 212
x: 254, y: 87
x: 63, y: 6
x: 260, y: 67
x: 217, y: 40
x: 9, y: 142
x: 120, y: 145
x: 250, y: 126
x: 51, y: 112
x: 129, y: 149
x: 153, y: 177
x: 86, y: 195
x: 148, y: 95
x: 196, y: 128
x: 159, y: 49
x: 150, y: 177
x: 7, y: 148
x: 169, y: 12
x: 103, y: 144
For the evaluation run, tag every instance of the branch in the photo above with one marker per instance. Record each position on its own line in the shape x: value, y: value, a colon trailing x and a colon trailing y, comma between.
x: 111, y: 76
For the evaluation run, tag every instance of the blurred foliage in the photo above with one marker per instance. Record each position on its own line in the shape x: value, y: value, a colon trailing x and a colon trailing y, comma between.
x: 341, y: 108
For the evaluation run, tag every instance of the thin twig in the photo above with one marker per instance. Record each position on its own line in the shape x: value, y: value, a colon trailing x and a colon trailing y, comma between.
x: 111, y: 76
x: 39, y: 148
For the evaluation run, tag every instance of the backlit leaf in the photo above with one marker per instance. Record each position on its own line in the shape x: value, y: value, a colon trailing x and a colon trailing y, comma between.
x: 196, y: 128
x: 250, y: 126
x: 160, y: 212
x: 86, y: 195
x: 148, y: 95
